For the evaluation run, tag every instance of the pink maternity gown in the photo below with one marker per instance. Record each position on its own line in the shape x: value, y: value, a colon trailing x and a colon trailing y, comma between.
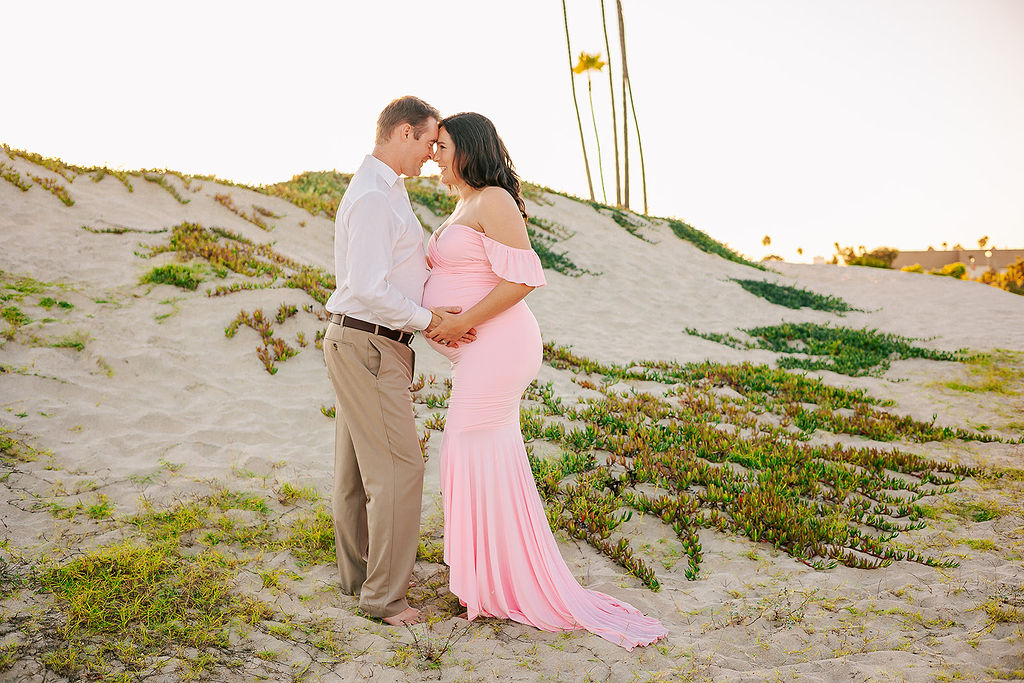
x: 503, y: 559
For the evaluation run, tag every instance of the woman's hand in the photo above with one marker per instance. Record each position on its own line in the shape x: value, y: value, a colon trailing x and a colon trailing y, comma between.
x: 452, y: 329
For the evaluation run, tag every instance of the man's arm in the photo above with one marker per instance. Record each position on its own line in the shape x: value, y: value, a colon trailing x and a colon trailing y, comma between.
x: 372, y: 230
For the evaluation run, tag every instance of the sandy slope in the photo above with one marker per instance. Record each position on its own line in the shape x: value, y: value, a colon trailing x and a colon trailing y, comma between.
x: 159, y: 384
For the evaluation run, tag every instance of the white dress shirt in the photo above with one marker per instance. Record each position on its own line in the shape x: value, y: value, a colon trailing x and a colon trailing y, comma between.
x: 379, y: 260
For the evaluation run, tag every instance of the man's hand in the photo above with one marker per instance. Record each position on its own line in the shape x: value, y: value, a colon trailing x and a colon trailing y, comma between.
x: 447, y: 328
x: 435, y: 317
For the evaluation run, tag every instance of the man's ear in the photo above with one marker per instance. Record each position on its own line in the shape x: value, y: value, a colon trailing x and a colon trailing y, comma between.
x: 405, y: 131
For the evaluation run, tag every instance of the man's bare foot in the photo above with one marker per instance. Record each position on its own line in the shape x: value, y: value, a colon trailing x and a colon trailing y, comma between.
x: 410, y: 616
x: 464, y: 615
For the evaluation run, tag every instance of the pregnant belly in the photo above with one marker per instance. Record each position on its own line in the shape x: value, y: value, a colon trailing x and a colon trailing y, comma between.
x: 449, y: 289
x: 515, y: 326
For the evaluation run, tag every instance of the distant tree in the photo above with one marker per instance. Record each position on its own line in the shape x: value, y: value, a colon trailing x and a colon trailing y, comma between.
x: 772, y: 257
x: 1012, y: 280
x: 766, y: 240
x: 800, y: 251
x: 982, y: 242
x: 931, y: 248
x: 945, y: 246
x: 586, y: 64
x: 956, y: 270
x: 579, y: 121
x: 958, y: 247
x: 880, y: 257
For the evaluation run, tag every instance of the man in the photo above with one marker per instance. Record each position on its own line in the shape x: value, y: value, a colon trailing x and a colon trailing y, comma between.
x: 381, y: 269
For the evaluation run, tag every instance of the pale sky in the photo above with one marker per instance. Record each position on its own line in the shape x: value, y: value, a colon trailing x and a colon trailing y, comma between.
x: 895, y: 122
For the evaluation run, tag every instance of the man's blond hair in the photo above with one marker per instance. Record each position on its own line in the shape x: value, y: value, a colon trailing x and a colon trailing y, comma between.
x: 408, y: 109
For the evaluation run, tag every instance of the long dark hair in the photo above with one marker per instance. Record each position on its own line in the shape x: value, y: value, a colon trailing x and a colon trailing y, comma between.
x: 481, y: 159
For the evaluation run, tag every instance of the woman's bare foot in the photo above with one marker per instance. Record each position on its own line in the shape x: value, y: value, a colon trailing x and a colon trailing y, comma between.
x: 464, y: 615
x: 410, y: 616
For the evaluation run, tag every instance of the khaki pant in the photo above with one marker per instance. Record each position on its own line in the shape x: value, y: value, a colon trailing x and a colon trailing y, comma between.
x: 378, y: 468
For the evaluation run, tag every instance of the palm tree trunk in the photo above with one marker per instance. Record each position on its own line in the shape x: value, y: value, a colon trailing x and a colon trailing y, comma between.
x: 615, y: 123
x: 579, y: 121
x: 625, y: 112
x: 597, y: 137
x: 643, y: 171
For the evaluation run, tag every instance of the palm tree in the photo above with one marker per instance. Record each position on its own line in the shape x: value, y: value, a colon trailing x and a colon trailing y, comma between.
x: 615, y: 123
x: 982, y: 242
x: 627, y: 89
x: 579, y: 121
x: 586, y: 64
x: 766, y: 240
x: 639, y: 144
x: 625, y: 113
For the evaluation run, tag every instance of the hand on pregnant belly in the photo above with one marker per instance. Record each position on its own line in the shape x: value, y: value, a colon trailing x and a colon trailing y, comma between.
x: 448, y: 327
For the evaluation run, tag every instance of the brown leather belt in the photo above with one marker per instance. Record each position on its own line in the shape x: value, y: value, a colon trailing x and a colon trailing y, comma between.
x: 357, y: 324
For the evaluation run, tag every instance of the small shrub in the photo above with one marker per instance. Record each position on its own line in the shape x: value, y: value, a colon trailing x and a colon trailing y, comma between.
x: 1012, y: 280
x: 793, y: 297
x: 13, y: 177
x: 840, y: 349
x: 557, y: 261
x: 173, y: 274
x: 74, y: 341
x: 161, y: 180
x: 702, y: 241
x: 15, y: 316
x: 881, y: 257
x: 955, y: 270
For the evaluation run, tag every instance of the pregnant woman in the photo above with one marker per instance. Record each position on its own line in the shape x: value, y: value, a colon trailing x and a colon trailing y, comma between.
x: 503, y: 559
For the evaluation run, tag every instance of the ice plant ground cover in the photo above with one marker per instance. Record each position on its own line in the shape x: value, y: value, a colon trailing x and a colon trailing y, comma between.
x: 166, y: 475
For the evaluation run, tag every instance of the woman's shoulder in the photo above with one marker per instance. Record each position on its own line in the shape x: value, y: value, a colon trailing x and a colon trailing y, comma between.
x: 500, y: 217
x: 496, y: 197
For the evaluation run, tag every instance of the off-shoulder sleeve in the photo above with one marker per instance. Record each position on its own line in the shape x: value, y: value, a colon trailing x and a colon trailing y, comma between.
x: 514, y: 265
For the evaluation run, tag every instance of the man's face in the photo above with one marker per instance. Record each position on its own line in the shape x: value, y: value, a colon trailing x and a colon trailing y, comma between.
x: 419, y: 150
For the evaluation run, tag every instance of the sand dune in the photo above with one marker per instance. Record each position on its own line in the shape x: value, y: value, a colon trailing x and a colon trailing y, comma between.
x: 160, y: 406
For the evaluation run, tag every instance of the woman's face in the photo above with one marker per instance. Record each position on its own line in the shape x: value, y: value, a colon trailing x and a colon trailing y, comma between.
x: 444, y: 157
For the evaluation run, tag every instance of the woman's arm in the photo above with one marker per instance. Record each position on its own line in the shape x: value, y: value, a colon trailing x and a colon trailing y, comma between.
x: 502, y: 222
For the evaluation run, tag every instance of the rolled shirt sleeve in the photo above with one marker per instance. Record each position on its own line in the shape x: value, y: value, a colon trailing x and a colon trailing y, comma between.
x: 373, y: 228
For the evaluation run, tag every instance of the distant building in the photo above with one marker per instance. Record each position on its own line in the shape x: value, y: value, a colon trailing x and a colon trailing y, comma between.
x: 974, y: 259
x: 819, y: 260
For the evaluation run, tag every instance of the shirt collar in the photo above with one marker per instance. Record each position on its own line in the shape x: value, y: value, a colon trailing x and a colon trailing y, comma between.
x: 381, y: 169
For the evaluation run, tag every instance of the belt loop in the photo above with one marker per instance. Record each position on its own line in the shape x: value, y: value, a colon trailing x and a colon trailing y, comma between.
x: 376, y: 329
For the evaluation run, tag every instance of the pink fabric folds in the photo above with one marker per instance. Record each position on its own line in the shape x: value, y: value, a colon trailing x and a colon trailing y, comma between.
x: 514, y: 265
x: 504, y: 561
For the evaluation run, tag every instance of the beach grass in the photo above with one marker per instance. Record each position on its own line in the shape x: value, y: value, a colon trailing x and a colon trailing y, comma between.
x: 182, y: 276
x: 999, y: 371
x: 719, y: 465
x: 844, y: 350
x: 706, y: 243
x: 160, y: 179
x: 794, y: 297
x: 256, y: 217
x: 204, y: 586
x: 13, y: 177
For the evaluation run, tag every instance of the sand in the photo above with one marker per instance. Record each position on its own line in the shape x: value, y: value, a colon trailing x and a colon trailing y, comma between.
x: 160, y: 404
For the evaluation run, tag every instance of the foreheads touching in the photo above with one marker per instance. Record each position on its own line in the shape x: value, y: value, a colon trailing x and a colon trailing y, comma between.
x: 406, y: 111
x: 408, y: 128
